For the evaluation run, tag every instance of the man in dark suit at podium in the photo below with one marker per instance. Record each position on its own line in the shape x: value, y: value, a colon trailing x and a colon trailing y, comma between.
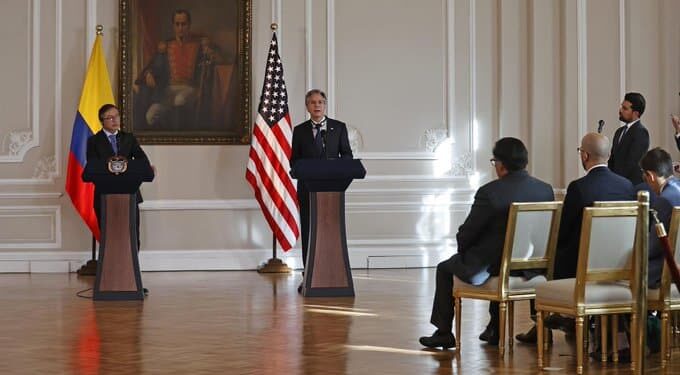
x: 112, y: 141
x: 631, y: 140
x: 481, y: 237
x: 319, y: 137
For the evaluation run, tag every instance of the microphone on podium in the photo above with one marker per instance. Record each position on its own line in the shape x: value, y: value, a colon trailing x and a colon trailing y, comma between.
x: 323, y: 142
x: 600, y: 125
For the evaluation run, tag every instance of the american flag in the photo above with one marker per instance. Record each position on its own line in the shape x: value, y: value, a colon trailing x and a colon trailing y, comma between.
x: 270, y: 150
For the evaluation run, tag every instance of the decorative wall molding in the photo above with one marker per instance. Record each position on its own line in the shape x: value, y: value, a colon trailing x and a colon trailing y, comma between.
x: 52, y: 212
x: 582, y: 66
x: 90, y: 27
x: 356, y: 142
x: 330, y: 50
x: 463, y: 165
x: 622, y: 47
x: 308, y: 45
x: 449, y: 96
x: 433, y: 137
x: 19, y: 142
x: 46, y: 168
x: 31, y: 196
x: 42, y: 179
x: 472, y: 124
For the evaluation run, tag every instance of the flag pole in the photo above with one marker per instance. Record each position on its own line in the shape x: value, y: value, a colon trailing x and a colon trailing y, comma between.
x: 274, y: 265
x: 90, y: 268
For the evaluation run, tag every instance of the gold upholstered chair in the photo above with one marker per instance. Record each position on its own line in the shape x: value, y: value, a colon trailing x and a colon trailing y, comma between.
x: 530, y: 241
x: 611, y: 240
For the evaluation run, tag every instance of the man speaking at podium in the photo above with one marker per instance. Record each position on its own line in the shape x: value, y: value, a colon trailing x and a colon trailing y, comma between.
x: 319, y: 137
x: 112, y: 141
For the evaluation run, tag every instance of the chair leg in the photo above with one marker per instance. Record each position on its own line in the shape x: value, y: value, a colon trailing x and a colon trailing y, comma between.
x: 459, y: 316
x: 586, y: 334
x: 615, y: 338
x: 511, y: 325
x: 502, y: 319
x: 664, y: 337
x: 579, y: 345
x: 603, y: 338
x: 539, y: 338
x: 633, y: 341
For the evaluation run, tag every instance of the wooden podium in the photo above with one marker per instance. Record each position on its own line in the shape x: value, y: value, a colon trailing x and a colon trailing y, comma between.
x: 118, y: 273
x: 327, y: 272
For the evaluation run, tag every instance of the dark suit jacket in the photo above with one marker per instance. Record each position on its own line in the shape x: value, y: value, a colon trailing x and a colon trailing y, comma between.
x: 626, y: 153
x: 600, y: 184
x: 481, y: 237
x: 677, y: 142
x: 99, y: 147
x: 337, y: 142
x: 663, y: 204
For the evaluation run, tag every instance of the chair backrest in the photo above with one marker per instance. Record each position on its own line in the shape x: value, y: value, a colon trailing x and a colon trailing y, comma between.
x: 673, y: 231
x: 615, y: 204
x: 530, y: 238
x: 608, y: 243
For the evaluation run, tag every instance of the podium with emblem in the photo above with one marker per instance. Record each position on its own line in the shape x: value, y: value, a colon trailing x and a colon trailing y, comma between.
x: 118, y: 180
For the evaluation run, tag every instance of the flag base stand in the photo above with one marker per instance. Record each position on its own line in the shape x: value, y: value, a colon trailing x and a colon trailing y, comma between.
x: 88, y: 269
x: 274, y: 265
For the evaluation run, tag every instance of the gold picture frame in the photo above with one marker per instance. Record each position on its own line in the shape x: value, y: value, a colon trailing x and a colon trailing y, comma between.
x: 185, y: 70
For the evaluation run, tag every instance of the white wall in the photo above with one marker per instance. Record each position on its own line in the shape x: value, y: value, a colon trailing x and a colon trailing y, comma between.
x: 426, y: 87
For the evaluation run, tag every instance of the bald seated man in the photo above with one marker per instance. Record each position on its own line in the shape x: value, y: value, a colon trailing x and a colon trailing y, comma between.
x: 599, y: 184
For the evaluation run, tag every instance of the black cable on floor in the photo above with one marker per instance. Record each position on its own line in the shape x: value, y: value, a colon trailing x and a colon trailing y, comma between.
x: 79, y: 294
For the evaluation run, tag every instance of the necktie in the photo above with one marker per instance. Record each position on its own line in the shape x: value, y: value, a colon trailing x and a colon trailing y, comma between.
x: 625, y: 129
x: 114, y: 143
x: 318, y: 139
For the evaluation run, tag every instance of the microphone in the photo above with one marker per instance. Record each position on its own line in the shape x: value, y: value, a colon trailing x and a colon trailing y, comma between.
x: 323, y: 142
x: 600, y: 125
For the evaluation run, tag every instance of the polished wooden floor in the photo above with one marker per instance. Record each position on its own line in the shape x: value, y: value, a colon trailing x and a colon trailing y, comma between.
x: 246, y: 323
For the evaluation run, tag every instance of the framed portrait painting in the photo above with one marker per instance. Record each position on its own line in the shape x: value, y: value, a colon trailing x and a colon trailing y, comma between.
x: 185, y: 70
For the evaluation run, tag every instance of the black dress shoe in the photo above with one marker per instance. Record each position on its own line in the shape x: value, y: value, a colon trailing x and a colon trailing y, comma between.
x: 490, y: 335
x: 443, y: 340
x: 531, y: 336
x: 146, y: 291
x: 300, y: 288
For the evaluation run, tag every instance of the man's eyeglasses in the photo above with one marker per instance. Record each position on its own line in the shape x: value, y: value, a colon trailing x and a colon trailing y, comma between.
x: 111, y: 118
x: 493, y: 161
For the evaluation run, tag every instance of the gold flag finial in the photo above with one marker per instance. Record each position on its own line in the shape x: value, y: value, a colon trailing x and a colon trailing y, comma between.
x: 274, y: 26
x: 100, y: 30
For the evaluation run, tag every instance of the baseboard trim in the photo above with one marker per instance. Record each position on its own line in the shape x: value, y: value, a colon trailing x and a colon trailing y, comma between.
x: 367, y: 255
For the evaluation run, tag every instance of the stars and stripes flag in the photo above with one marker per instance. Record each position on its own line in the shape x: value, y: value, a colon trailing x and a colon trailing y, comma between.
x: 270, y: 150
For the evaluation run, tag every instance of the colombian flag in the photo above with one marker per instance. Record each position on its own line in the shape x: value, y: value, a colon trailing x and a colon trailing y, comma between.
x: 96, y: 92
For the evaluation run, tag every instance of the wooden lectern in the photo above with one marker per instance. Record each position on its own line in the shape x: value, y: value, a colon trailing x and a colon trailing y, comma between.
x: 327, y: 272
x: 118, y: 273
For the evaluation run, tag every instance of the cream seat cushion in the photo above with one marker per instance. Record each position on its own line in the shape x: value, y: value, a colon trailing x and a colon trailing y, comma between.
x: 561, y: 293
x: 653, y: 294
x: 516, y: 284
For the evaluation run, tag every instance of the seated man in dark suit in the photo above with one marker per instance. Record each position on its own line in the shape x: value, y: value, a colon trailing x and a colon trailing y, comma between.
x: 599, y: 184
x: 657, y: 171
x: 480, y: 238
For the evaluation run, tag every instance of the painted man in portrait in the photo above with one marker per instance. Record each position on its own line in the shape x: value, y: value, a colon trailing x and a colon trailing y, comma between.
x: 178, y: 88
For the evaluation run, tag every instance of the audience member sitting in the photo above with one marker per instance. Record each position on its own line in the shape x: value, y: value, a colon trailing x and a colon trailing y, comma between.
x: 480, y: 238
x: 599, y: 184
